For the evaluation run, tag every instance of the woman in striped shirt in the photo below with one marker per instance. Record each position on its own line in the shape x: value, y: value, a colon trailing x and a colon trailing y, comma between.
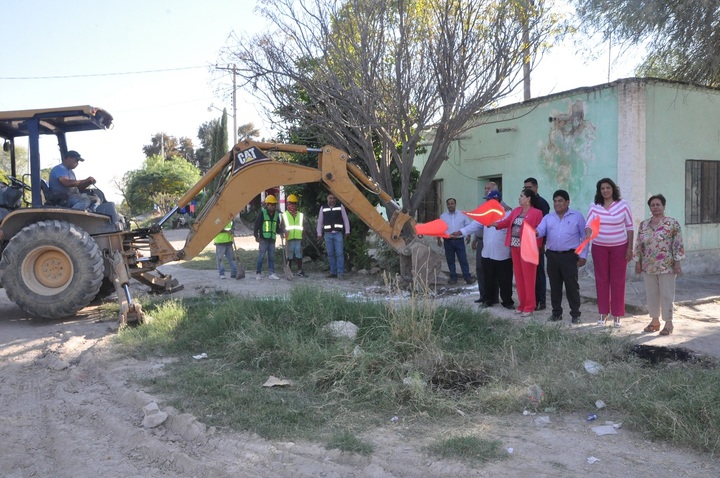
x: 612, y: 249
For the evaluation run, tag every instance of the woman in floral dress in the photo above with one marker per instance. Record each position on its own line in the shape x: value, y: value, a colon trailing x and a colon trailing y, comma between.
x: 658, y: 252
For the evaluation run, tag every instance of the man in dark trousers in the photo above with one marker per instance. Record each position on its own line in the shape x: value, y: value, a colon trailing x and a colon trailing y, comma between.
x: 333, y: 225
x: 477, y: 245
x: 563, y: 230
x: 540, y: 281
x: 455, y: 246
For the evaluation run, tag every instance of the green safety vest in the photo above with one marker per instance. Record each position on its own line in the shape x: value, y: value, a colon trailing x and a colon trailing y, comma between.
x: 293, y: 225
x: 225, y: 236
x: 269, y: 227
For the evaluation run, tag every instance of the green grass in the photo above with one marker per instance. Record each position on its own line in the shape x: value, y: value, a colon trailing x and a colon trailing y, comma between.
x: 206, y: 260
x: 414, y: 360
x: 345, y: 441
x: 469, y: 448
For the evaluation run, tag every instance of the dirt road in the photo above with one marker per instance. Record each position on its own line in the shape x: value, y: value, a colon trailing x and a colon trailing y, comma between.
x: 69, y: 407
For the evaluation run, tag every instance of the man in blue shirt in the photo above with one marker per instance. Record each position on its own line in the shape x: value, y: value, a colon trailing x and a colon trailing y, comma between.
x: 63, y: 184
x: 564, y: 230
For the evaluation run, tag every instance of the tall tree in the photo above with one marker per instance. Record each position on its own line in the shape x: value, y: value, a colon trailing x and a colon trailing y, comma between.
x: 247, y: 130
x: 203, y: 155
x: 21, y: 161
x: 186, y: 149
x: 681, y: 38
x: 163, y: 145
x: 374, y: 76
x: 158, y: 175
x: 220, y: 138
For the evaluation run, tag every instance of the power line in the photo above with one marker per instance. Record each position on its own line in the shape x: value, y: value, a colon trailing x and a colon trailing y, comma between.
x: 90, y: 75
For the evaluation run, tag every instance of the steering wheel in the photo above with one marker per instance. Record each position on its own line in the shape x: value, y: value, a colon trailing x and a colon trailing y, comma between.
x: 16, y: 182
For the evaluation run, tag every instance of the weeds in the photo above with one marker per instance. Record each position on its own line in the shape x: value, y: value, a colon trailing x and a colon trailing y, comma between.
x: 410, y: 359
x: 469, y: 448
x: 346, y: 441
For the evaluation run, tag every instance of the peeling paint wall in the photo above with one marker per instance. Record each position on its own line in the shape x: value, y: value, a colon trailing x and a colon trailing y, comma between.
x: 631, y: 157
x: 569, y: 148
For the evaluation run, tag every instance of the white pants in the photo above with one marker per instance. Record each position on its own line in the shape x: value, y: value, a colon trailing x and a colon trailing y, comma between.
x: 660, y: 292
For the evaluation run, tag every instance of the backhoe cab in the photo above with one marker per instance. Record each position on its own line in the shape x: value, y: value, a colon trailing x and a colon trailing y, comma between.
x: 56, y: 260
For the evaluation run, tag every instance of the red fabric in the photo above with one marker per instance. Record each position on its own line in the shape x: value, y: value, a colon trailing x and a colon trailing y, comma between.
x: 525, y: 275
x: 437, y: 228
x: 487, y: 213
x: 595, y: 228
x: 528, y: 245
x: 533, y: 218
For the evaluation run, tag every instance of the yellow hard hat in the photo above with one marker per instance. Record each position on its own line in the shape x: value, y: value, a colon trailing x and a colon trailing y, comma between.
x: 270, y: 199
x: 292, y: 198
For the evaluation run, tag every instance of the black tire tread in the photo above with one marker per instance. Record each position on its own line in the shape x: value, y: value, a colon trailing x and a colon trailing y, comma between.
x: 78, y: 245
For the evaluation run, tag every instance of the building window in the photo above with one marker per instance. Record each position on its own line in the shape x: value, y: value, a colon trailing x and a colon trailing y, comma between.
x: 482, y: 181
x: 431, y: 206
x: 702, y: 196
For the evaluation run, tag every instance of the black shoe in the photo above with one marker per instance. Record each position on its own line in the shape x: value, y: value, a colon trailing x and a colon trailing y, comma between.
x: 331, y: 276
x: 575, y: 320
x: 509, y: 306
x: 470, y: 280
x: 555, y: 318
x: 479, y: 300
x: 540, y: 306
x: 452, y: 281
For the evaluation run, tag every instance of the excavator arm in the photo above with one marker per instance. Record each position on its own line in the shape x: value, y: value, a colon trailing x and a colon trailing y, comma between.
x: 249, y: 169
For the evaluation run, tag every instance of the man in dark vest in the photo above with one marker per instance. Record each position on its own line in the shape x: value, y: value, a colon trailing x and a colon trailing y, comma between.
x: 267, y: 227
x: 333, y: 226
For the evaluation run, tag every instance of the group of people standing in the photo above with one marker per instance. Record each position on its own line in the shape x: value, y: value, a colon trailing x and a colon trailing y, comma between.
x: 657, y: 250
x: 333, y: 226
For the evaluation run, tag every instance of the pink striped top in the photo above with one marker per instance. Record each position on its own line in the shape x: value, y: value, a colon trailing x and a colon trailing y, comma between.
x: 614, y: 223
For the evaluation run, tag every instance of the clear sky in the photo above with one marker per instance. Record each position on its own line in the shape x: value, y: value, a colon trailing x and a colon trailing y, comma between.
x: 78, y: 52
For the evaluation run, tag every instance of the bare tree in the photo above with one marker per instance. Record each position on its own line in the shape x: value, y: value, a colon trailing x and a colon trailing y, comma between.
x: 375, y: 76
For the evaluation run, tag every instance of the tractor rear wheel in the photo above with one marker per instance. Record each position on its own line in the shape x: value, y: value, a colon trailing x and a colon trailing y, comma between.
x: 52, y: 269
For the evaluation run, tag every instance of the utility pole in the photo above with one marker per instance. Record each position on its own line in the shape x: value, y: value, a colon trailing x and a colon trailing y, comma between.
x: 234, y: 105
x: 526, y: 42
x: 233, y: 69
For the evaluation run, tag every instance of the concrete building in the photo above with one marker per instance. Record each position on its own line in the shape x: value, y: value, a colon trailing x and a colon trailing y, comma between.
x: 649, y: 135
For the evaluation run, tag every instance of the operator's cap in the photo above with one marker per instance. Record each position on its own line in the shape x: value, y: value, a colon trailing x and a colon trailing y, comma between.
x: 75, y: 155
x: 494, y: 194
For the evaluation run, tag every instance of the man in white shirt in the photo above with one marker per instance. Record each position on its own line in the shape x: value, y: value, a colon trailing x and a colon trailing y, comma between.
x: 455, y: 246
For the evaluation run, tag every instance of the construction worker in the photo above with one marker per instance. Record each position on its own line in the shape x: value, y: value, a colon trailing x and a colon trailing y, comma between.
x: 293, y: 224
x: 224, y: 249
x: 267, y: 227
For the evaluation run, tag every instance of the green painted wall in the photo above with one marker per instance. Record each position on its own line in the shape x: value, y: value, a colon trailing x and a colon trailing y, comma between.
x: 683, y: 122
